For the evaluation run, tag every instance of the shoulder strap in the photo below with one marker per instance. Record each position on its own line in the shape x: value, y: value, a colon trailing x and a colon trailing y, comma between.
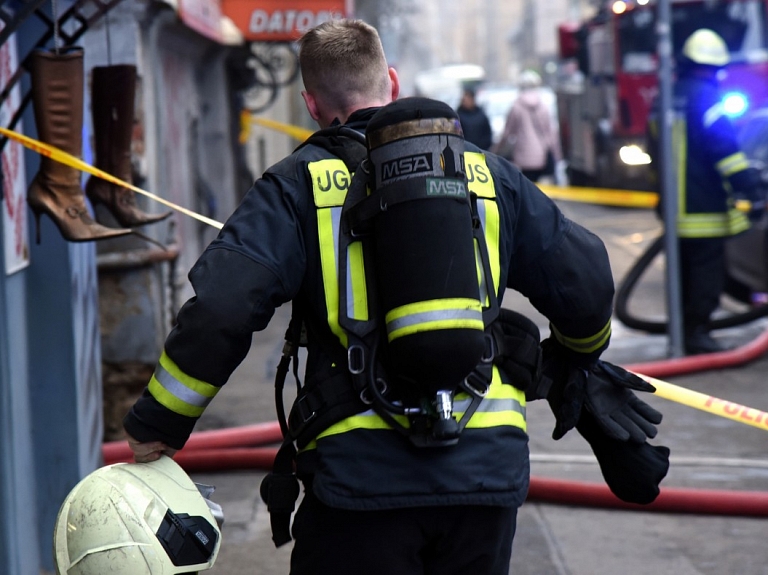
x: 343, y: 142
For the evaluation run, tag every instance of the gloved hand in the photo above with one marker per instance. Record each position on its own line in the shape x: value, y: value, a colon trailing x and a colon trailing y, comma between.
x: 631, y: 470
x: 603, y: 389
x: 617, y: 410
x: 564, y: 385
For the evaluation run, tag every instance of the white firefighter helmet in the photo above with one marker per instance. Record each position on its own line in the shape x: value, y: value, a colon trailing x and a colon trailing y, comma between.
x: 136, y: 519
x: 706, y: 47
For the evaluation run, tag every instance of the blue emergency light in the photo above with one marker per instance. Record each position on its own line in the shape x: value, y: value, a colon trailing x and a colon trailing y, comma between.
x: 735, y: 104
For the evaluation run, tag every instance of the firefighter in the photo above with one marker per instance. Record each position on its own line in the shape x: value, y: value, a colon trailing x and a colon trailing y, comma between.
x: 714, y: 173
x: 375, y: 500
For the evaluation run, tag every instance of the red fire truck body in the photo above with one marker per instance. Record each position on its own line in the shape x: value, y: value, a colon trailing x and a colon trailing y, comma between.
x: 609, y: 81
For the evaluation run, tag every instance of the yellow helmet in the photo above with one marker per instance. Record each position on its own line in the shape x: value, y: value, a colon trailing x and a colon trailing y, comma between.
x: 706, y: 47
x: 137, y: 519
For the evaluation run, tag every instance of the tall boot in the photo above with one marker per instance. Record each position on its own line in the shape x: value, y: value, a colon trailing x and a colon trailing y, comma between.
x: 57, y: 96
x: 113, y: 90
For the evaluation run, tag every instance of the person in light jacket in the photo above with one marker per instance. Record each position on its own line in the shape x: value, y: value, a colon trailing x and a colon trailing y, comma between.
x: 529, y: 132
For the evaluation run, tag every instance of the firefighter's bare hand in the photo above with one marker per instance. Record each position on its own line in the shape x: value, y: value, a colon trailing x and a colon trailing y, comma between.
x: 149, y: 451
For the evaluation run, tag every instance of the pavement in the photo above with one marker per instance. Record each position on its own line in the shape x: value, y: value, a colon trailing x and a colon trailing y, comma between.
x: 711, y: 457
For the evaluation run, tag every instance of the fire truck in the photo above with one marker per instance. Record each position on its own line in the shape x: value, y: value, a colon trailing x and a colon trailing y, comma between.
x: 608, y: 81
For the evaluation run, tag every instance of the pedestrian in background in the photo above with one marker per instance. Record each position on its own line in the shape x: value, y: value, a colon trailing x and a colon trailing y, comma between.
x: 474, y: 121
x: 529, y: 138
x: 716, y: 172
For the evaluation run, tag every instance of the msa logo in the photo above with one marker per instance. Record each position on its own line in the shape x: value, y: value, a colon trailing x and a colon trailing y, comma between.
x: 447, y: 188
x: 406, y: 166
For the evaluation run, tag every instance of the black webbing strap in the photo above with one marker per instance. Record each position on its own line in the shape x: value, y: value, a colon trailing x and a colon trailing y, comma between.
x: 343, y: 142
x: 280, y: 491
x: 322, y: 404
x: 319, y: 406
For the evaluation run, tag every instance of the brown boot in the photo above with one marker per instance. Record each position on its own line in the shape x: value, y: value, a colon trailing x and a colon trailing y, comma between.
x: 57, y: 96
x: 113, y: 90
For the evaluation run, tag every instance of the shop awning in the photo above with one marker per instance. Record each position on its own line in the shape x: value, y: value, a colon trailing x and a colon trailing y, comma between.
x: 282, y: 20
x: 206, y: 18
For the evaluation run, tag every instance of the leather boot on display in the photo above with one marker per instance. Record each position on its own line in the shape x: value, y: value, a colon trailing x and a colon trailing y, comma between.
x: 113, y: 90
x: 57, y: 97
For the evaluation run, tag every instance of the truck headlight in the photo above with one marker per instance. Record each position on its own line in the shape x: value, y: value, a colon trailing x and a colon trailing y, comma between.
x: 634, y: 155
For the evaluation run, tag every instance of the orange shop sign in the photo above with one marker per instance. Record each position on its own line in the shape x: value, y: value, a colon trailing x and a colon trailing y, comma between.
x: 282, y: 20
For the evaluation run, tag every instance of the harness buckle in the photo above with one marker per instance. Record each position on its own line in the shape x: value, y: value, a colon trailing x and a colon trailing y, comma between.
x: 301, y: 410
x: 489, y: 353
x: 476, y: 383
x: 356, y: 359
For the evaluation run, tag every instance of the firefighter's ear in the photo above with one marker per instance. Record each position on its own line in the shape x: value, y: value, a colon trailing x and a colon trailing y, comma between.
x: 311, y: 102
x: 395, y: 80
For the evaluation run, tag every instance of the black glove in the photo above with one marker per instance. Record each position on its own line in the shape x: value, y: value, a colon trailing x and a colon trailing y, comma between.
x: 603, y: 389
x: 563, y: 384
x: 631, y: 470
x: 616, y: 409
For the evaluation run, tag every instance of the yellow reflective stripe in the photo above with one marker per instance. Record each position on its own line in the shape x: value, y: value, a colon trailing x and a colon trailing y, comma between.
x: 503, y: 405
x: 357, y: 291
x: 732, y: 164
x: 708, y: 224
x: 479, y: 179
x: 480, y: 182
x: 712, y: 225
x: 502, y: 416
x: 178, y: 391
x: 329, y: 188
x: 449, y: 313
x: 488, y: 211
x: 327, y: 226
x: 585, y: 344
x: 330, y: 182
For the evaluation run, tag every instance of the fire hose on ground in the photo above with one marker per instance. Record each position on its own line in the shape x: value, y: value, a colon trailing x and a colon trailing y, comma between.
x: 247, y: 447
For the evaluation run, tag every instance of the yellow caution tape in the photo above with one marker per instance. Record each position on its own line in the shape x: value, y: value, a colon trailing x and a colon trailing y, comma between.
x: 245, y: 126
x: 604, y: 196
x: 708, y: 403
x: 296, y: 132
x: 247, y: 118
x: 63, y: 157
x: 609, y: 197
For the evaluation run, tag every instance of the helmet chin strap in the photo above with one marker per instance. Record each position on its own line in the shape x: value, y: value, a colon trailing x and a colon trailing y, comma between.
x: 206, y: 491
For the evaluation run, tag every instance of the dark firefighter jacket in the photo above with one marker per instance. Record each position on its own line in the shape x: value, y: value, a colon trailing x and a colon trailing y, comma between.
x: 711, y: 170
x: 268, y: 253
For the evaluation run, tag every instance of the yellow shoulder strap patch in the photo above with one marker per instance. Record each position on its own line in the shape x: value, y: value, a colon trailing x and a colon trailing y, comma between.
x: 330, y: 182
